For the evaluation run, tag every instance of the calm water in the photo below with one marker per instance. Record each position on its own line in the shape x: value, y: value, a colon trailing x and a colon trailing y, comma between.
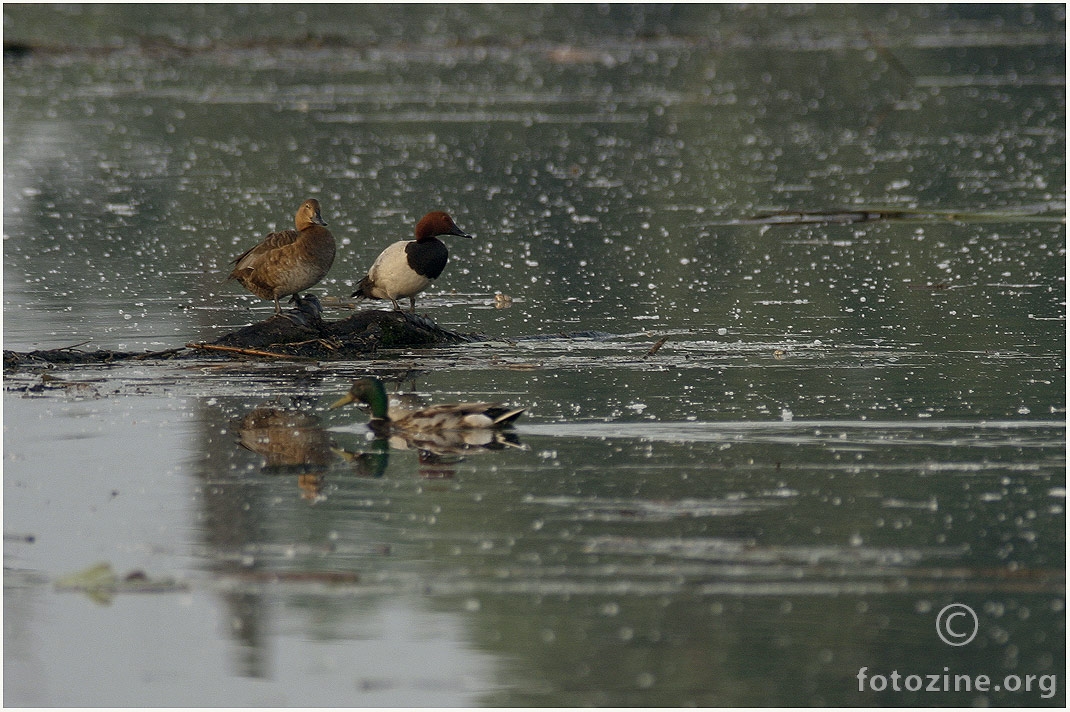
x: 849, y: 427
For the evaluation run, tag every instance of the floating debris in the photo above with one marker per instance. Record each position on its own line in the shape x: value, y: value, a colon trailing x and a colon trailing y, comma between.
x: 657, y: 345
x: 101, y: 583
x: 1049, y: 212
x: 69, y: 355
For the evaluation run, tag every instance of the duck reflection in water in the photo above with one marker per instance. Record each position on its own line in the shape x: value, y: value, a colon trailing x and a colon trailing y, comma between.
x: 293, y: 442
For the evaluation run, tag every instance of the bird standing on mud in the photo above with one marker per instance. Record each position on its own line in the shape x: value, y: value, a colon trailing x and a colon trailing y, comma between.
x: 407, y: 267
x: 289, y: 261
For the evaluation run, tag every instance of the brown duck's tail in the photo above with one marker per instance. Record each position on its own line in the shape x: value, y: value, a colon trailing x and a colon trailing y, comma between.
x: 233, y: 274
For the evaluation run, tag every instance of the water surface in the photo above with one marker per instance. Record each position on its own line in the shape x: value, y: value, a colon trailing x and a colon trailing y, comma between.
x: 849, y: 426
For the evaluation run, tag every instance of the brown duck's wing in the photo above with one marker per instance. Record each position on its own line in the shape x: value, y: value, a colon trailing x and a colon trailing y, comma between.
x: 274, y: 241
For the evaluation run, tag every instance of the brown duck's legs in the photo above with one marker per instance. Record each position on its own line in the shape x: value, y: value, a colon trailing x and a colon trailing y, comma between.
x: 412, y: 304
x: 278, y: 309
x: 397, y: 307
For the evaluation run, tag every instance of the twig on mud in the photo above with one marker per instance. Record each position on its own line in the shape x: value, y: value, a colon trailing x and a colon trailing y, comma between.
x: 243, y: 351
x: 71, y: 348
x: 329, y: 345
x: 158, y: 354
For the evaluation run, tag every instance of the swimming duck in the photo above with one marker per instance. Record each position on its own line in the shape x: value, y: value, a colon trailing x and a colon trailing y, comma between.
x: 407, y: 267
x: 446, y: 416
x: 289, y: 261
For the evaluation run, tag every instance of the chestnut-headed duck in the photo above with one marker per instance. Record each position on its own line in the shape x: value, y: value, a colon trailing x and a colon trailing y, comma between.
x: 407, y: 267
x: 288, y: 261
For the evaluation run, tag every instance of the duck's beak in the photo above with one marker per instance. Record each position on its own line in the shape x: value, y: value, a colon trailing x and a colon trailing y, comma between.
x: 344, y: 400
x: 318, y: 219
x: 459, y: 232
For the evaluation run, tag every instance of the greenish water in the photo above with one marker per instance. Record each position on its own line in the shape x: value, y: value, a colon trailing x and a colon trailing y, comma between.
x: 850, y: 426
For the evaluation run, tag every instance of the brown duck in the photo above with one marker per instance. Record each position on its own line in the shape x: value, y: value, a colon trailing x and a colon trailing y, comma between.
x: 289, y: 261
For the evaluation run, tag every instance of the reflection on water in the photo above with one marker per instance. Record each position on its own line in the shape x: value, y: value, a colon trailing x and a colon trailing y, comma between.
x: 294, y: 442
x: 849, y: 423
x: 614, y: 535
x: 289, y: 440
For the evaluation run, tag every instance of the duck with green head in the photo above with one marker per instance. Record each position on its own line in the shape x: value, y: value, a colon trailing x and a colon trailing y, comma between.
x: 445, y: 416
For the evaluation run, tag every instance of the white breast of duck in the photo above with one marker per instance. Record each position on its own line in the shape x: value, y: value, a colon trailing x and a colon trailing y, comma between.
x: 407, y: 268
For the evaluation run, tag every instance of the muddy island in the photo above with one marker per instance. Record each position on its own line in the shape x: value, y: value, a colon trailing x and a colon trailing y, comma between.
x: 299, y: 333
